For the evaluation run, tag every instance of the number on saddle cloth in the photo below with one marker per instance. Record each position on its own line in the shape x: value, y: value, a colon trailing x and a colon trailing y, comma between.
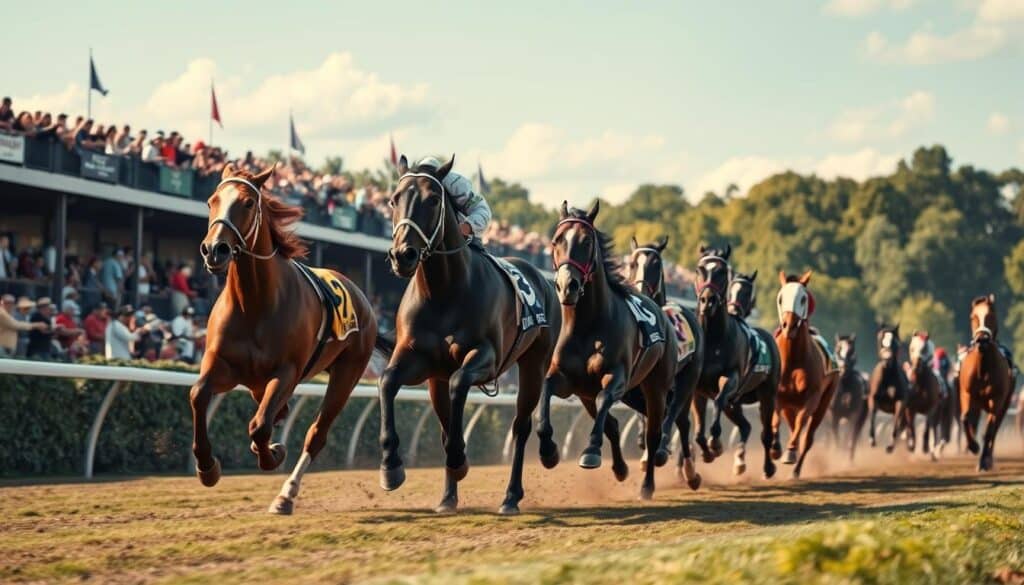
x: 761, y: 357
x: 529, y: 311
x: 646, y: 321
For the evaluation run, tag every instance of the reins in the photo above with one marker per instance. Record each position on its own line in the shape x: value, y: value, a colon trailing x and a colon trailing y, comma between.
x: 430, y: 243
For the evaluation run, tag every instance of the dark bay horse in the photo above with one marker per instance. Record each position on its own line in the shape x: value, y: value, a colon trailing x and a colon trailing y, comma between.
x: 888, y: 387
x: 851, y: 400
x: 948, y: 411
x: 612, y: 342
x: 267, y: 328
x: 647, y: 273
x: 742, y: 296
x: 457, y: 328
x: 986, y: 380
x: 924, y: 393
x: 733, y: 372
x: 808, y: 379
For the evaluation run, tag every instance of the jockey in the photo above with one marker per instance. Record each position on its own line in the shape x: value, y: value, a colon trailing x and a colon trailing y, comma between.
x: 472, y: 210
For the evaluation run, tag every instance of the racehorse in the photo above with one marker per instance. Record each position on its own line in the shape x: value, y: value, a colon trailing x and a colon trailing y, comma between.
x: 947, y: 413
x: 742, y: 294
x: 851, y: 400
x: 924, y: 393
x: 269, y: 327
x: 741, y: 364
x: 808, y: 379
x: 887, y: 386
x: 646, y: 271
x: 612, y: 342
x: 457, y: 327
x: 986, y: 381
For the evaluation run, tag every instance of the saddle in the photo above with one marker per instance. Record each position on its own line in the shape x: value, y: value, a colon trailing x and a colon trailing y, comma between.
x: 339, y: 316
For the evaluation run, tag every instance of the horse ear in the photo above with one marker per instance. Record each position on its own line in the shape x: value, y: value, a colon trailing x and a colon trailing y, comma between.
x: 782, y: 277
x: 564, y: 211
x: 229, y: 171
x: 633, y: 245
x: 753, y: 276
x: 594, y: 209
x: 446, y: 168
x: 837, y: 339
x: 728, y: 252
x: 896, y: 329
x: 261, y: 178
x: 702, y: 249
x: 806, y: 278
x: 403, y: 165
x: 853, y: 337
x: 992, y: 298
x: 663, y: 244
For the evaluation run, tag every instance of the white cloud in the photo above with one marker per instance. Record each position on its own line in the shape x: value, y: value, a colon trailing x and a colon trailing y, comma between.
x: 857, y: 8
x: 1001, y: 11
x: 927, y: 48
x: 746, y: 171
x: 889, y: 120
x: 998, y: 123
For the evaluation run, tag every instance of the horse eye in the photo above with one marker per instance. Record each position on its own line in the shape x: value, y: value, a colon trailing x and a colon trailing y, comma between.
x: 249, y: 203
x: 433, y: 201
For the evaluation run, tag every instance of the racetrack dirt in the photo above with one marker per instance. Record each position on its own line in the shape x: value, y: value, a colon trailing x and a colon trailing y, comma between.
x: 345, y: 529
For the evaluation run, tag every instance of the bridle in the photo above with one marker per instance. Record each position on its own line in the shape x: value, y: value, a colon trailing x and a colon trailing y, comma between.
x: 701, y: 285
x: 586, y: 269
x: 243, y: 246
x: 735, y: 303
x: 645, y: 288
x: 437, y: 236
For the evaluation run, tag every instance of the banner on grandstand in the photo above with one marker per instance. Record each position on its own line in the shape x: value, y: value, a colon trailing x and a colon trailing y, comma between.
x: 100, y: 167
x: 12, y: 148
x: 176, y: 181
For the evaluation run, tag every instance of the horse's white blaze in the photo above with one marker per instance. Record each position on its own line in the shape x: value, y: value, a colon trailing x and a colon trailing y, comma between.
x: 793, y: 298
x: 229, y: 194
x: 920, y: 348
x: 290, y: 489
x: 842, y: 349
x: 981, y: 312
x: 734, y: 290
x: 641, y: 266
x: 887, y: 339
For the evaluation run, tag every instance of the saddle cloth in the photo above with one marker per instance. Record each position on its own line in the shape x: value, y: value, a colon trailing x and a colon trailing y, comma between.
x: 686, y: 343
x: 340, y: 319
x: 831, y: 363
x: 529, y: 311
x: 761, y: 358
x: 646, y: 321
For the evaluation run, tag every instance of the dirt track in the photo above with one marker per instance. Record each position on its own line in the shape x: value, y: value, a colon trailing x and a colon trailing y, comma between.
x: 346, y: 528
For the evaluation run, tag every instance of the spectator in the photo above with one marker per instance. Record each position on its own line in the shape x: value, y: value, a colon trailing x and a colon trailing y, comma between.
x: 120, y: 339
x: 68, y: 328
x: 40, y: 338
x: 6, y: 115
x: 169, y: 150
x: 183, y: 333
x: 181, y: 293
x: 145, y: 274
x: 84, y: 138
x: 154, y: 152
x: 95, y: 326
x: 112, y: 277
x: 6, y: 257
x: 121, y: 142
x: 10, y: 327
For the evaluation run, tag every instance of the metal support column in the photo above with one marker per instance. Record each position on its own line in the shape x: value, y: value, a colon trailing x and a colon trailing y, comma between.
x: 97, y: 426
x: 353, y: 443
x: 60, y: 243
x: 368, y: 268
x: 318, y: 254
x: 136, y: 257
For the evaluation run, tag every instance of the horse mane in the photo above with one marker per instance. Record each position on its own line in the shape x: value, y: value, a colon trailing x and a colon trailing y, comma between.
x: 612, y: 267
x: 279, y: 217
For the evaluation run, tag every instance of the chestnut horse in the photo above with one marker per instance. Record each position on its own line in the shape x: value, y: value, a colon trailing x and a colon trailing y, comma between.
x: 808, y: 380
x: 612, y: 342
x: 925, y: 394
x: 457, y: 328
x: 986, y: 381
x: 851, y: 400
x: 267, y: 329
x: 888, y: 386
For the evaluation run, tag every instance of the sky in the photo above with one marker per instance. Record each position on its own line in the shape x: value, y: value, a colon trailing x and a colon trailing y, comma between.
x: 573, y: 99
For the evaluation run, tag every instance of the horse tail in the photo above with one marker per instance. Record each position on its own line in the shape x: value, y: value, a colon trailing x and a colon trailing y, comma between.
x: 385, y: 344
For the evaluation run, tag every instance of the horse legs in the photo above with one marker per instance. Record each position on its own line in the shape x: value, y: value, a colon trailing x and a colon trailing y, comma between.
x: 404, y: 368
x: 700, y: 415
x: 531, y: 376
x: 344, y: 377
x: 261, y: 427
x: 872, y: 411
x: 897, y: 418
x: 795, y: 419
x: 766, y: 408
x: 995, y: 420
x: 613, y: 388
x: 655, y: 416
x: 209, y: 384
x: 734, y: 412
x: 817, y: 416
x: 440, y: 400
x: 855, y: 429
x: 726, y: 394
x: 553, y: 382
x: 971, y: 414
x: 611, y: 431
x: 776, y: 450
x: 910, y: 420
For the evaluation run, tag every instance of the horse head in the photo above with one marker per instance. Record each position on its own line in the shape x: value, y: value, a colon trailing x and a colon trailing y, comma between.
x: 236, y: 218
x: 420, y: 212
x: 846, y: 351
x: 795, y: 303
x: 742, y: 295
x: 888, y: 343
x: 646, y: 268
x: 921, y: 351
x: 984, y: 323
x: 713, y: 274
x: 575, y: 251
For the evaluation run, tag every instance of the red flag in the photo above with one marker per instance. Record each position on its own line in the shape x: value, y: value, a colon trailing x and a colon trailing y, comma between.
x: 214, y: 110
x: 394, y: 153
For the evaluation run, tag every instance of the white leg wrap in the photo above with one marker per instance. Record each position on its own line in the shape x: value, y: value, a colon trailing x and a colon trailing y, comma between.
x: 290, y: 489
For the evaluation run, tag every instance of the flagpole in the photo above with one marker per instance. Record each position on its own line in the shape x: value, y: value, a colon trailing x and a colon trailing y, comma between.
x: 88, y: 89
x: 211, y: 113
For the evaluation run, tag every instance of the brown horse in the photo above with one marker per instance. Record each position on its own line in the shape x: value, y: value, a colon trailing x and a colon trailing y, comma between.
x: 851, y: 400
x: 267, y: 330
x: 924, y: 396
x: 457, y: 327
x: 808, y: 378
x: 985, y: 380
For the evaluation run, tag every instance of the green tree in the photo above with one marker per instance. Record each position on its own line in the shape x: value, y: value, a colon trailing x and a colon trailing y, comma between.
x: 333, y: 165
x: 882, y: 262
x: 922, y: 312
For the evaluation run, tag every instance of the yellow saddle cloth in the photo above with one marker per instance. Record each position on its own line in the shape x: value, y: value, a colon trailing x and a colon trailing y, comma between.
x: 337, y: 302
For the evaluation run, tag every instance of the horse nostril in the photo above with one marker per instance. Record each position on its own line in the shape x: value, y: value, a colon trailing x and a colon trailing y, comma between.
x: 221, y: 249
x: 409, y: 254
x: 204, y: 250
x: 573, y: 287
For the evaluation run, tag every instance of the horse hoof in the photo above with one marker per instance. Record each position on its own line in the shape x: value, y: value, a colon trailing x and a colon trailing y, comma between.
x: 448, y: 506
x: 459, y: 473
x: 509, y: 509
x: 707, y: 457
x: 278, y: 452
x: 769, y: 470
x: 739, y: 468
x: 716, y: 446
x: 590, y: 460
x: 694, y: 482
x: 211, y: 476
x: 661, y: 457
x: 890, y: 448
x: 621, y: 472
x: 646, y: 493
x: 934, y: 457
x: 392, y: 479
x: 985, y: 464
x: 910, y: 446
x: 282, y: 506
x: 549, y: 460
x: 790, y: 458
x: 796, y: 473
x: 973, y: 447
x: 775, y: 453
